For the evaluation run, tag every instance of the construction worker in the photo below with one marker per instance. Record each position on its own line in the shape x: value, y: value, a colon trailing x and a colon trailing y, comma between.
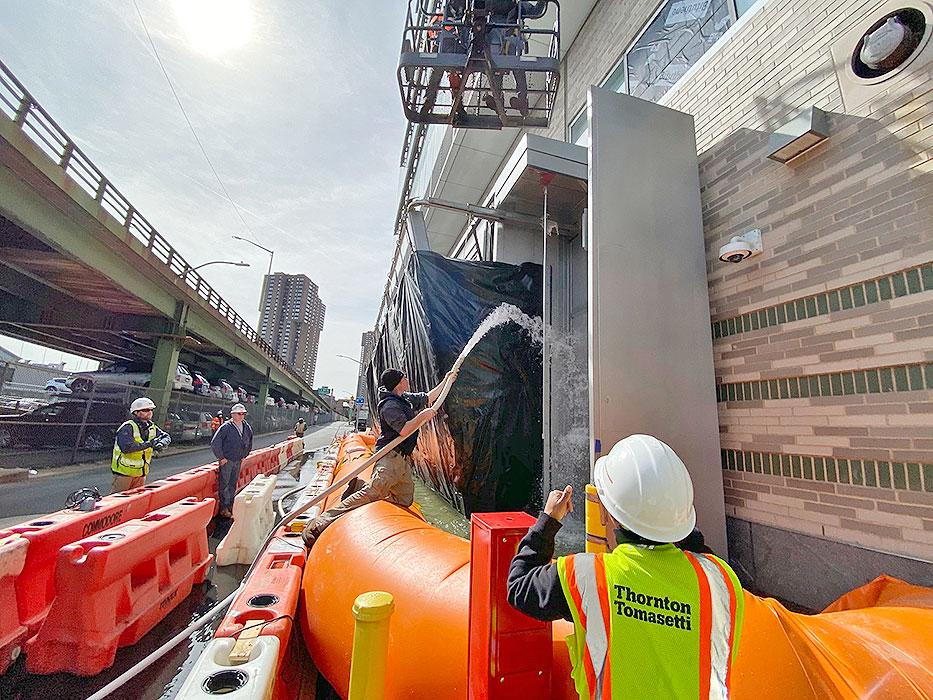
x: 217, y: 421
x: 651, y: 619
x: 392, y: 480
x: 300, y: 428
x: 447, y: 38
x: 508, y: 41
x: 230, y: 444
x: 133, y: 446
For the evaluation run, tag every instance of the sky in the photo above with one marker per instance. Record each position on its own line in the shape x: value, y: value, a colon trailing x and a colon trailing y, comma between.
x: 297, y: 107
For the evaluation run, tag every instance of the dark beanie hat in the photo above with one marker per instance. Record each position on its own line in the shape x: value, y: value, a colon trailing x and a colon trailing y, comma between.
x: 391, y: 377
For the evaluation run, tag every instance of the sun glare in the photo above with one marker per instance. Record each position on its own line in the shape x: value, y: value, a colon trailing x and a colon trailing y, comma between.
x: 215, y: 26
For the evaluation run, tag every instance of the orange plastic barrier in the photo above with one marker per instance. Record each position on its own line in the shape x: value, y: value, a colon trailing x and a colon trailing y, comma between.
x: 200, y: 482
x: 270, y: 597
x: 35, y: 587
x: 877, y: 641
x: 116, y: 586
x: 12, y: 632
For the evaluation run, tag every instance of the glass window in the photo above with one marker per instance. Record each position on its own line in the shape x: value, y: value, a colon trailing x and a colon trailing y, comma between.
x: 681, y: 33
x: 742, y: 6
x: 580, y: 129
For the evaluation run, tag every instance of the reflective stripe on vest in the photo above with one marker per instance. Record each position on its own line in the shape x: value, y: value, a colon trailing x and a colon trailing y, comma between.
x: 717, y: 626
x: 135, y: 463
x: 712, y: 637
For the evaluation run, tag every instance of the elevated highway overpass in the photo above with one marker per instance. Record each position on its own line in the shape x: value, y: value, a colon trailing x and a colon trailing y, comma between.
x: 81, y: 270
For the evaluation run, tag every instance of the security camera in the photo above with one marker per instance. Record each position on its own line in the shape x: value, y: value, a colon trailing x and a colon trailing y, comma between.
x: 742, y: 247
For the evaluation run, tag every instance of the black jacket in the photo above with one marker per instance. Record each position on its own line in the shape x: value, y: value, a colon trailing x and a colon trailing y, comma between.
x: 534, y: 586
x: 228, y: 444
x: 394, y: 412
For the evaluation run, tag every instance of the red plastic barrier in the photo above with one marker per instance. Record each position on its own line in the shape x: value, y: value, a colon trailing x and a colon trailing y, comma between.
x: 200, y: 482
x: 35, y: 588
x: 12, y: 632
x: 510, y: 653
x: 115, y: 587
x: 270, y: 597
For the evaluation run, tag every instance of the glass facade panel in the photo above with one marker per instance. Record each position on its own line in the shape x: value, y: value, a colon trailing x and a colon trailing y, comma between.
x: 681, y: 33
x: 580, y: 129
x: 742, y: 6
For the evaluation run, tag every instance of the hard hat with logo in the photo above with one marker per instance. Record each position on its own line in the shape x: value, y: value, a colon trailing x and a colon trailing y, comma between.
x: 238, y: 408
x: 141, y: 404
x: 646, y: 488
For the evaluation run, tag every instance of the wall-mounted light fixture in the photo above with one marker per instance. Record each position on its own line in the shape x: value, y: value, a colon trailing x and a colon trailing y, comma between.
x: 808, y: 129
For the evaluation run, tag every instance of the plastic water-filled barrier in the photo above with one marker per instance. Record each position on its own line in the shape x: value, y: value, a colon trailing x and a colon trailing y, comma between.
x: 876, y: 641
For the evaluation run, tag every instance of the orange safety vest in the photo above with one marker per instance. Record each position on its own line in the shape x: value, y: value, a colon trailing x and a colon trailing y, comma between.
x: 215, y: 423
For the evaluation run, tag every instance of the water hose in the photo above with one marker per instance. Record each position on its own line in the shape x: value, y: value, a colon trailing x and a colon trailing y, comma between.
x: 208, y: 616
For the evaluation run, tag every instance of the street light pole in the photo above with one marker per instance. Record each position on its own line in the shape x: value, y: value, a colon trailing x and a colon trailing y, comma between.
x: 221, y: 262
x: 351, y: 358
x: 261, y: 247
x: 269, y: 274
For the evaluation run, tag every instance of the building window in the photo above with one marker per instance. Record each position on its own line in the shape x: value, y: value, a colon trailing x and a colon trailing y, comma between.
x: 680, y: 34
x: 743, y: 6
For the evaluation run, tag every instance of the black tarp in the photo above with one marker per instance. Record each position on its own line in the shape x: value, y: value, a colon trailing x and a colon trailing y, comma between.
x: 484, y: 451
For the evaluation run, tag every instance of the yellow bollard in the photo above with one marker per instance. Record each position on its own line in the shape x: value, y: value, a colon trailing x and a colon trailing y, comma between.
x: 370, y: 645
x: 595, y: 525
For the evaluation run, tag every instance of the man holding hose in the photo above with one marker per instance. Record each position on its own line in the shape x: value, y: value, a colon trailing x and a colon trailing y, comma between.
x: 399, y: 416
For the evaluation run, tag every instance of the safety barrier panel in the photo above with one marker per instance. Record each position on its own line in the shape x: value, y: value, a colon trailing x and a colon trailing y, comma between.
x: 200, y: 482
x: 35, y: 587
x: 214, y: 674
x: 12, y: 631
x: 269, y: 600
x: 318, y: 483
x: 116, y: 586
x: 252, y: 519
x: 510, y: 653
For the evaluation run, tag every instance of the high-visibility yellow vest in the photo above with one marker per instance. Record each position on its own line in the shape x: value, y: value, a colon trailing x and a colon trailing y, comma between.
x: 133, y: 463
x: 652, y: 622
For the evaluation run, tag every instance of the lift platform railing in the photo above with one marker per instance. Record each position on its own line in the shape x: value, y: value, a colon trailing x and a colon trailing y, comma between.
x: 462, y: 65
x: 20, y: 106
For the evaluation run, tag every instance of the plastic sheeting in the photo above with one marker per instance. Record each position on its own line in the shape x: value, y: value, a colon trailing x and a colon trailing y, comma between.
x: 484, y: 452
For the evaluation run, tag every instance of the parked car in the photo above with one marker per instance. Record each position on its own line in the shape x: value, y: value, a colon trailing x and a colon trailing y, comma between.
x: 202, y: 387
x: 58, y: 385
x: 214, y: 392
x: 226, y: 390
x: 183, y: 379
x: 270, y: 401
x: 58, y: 424
x: 204, y: 423
x: 241, y: 394
x: 117, y: 376
x: 181, y: 427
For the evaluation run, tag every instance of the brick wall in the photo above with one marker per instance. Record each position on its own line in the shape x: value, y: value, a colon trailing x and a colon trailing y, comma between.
x: 824, y: 344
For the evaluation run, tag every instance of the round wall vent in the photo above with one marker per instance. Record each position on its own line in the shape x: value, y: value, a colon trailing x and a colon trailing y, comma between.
x: 889, y: 44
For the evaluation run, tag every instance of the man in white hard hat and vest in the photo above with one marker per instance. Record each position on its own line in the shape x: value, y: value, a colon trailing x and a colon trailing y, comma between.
x: 135, y: 442
x: 651, y: 618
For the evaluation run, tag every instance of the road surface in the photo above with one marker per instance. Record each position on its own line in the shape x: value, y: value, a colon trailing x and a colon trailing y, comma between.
x: 46, y: 492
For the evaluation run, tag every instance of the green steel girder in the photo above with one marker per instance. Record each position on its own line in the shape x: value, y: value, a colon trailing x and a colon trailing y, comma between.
x: 37, y: 196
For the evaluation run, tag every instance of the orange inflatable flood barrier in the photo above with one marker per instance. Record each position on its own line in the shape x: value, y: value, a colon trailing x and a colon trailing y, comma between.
x: 876, y: 641
x: 114, y: 587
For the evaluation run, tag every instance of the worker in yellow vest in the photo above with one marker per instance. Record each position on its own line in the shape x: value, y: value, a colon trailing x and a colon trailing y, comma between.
x: 135, y: 442
x: 651, y: 618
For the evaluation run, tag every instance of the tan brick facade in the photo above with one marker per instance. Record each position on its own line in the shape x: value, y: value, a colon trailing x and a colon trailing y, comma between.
x: 848, y: 236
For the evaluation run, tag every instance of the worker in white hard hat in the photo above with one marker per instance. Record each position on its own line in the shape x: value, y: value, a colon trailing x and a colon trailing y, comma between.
x: 651, y: 618
x: 230, y: 444
x: 133, y: 446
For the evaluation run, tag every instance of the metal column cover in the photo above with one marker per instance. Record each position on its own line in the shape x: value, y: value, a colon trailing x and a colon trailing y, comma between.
x: 510, y: 653
x: 651, y: 355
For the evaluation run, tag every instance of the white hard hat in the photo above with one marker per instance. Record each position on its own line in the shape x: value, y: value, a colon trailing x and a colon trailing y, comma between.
x: 238, y: 408
x: 141, y: 404
x: 645, y: 486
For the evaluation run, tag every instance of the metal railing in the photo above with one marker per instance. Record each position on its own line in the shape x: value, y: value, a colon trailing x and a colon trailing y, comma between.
x: 19, y: 105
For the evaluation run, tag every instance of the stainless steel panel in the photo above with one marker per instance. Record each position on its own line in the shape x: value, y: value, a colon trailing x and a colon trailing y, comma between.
x: 650, y: 347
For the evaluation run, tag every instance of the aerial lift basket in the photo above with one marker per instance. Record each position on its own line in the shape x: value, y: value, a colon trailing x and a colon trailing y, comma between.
x: 466, y: 64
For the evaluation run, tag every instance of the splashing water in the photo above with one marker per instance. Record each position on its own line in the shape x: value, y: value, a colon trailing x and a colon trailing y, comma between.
x: 499, y: 316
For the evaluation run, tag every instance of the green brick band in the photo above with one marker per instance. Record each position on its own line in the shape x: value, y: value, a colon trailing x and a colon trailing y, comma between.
x: 879, y: 380
x: 898, y: 284
x: 904, y: 476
